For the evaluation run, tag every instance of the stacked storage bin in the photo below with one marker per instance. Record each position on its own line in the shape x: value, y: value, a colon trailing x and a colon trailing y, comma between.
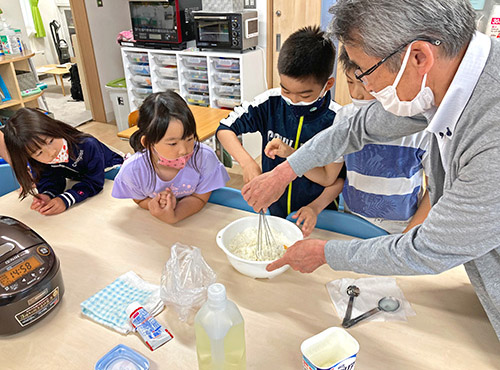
x: 227, y: 87
x: 166, y: 72
x: 195, y: 77
x: 139, y: 77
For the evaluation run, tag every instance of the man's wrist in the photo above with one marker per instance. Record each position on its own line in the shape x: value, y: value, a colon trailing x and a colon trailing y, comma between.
x: 285, y: 172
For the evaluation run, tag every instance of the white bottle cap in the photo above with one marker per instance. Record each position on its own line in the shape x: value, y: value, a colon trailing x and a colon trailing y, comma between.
x: 217, y: 295
x: 132, y: 307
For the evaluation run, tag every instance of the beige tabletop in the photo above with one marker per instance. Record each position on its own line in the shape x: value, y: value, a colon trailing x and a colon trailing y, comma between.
x: 54, y: 70
x: 102, y: 238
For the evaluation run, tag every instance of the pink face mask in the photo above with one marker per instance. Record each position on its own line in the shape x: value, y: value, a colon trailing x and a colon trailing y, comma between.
x: 63, y: 156
x: 177, y: 163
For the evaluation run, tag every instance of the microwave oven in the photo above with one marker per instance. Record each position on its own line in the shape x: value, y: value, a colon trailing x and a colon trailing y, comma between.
x: 226, y: 31
x: 163, y: 24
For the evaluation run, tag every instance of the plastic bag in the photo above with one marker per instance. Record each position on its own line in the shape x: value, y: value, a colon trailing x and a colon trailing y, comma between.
x: 185, y: 279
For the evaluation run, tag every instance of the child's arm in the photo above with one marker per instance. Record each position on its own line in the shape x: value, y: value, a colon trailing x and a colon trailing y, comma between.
x: 230, y: 142
x: 307, y: 215
x: 421, y: 213
x: 325, y: 176
x: 3, y: 149
x: 174, y: 211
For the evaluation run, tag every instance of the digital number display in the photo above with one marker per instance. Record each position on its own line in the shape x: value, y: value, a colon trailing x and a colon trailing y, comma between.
x: 18, y: 271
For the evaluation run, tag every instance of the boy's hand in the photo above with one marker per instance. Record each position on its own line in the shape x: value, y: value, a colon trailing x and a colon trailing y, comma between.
x: 307, y: 216
x: 276, y: 147
x: 53, y: 207
x: 250, y: 171
x: 39, y: 201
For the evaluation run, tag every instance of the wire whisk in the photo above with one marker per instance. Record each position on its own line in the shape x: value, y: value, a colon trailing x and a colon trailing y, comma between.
x: 264, y: 236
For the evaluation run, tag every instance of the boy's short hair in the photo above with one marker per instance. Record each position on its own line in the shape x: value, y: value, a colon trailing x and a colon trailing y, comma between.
x: 347, y: 64
x: 308, y: 52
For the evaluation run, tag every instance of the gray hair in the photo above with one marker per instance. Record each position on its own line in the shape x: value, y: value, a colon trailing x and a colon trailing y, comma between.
x: 381, y: 26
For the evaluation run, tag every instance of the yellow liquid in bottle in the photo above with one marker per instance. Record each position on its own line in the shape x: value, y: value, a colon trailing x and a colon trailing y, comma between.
x: 233, y: 345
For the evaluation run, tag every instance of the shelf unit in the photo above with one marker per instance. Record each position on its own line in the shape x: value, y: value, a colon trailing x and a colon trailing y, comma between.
x: 8, y: 66
x: 207, y: 78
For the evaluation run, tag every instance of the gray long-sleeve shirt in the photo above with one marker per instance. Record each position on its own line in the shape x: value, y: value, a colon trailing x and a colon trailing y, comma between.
x: 463, y: 226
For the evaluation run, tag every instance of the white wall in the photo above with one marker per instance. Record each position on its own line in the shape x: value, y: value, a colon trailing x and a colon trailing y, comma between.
x: 13, y: 14
x: 105, y: 23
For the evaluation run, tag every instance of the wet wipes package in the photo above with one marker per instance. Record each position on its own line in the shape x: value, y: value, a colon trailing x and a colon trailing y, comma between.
x: 332, y: 349
x: 122, y: 358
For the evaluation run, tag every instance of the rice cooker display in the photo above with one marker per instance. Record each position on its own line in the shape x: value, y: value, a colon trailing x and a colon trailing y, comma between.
x: 18, y: 271
x: 30, y: 277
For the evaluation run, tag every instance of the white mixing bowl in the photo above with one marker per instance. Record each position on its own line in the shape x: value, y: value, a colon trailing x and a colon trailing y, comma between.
x: 256, y: 269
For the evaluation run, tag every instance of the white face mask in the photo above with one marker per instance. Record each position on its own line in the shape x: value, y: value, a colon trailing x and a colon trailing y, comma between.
x: 390, y: 100
x: 302, y: 108
x: 358, y: 103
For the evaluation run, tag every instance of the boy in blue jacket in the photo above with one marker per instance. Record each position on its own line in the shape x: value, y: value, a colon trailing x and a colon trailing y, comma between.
x: 294, y: 113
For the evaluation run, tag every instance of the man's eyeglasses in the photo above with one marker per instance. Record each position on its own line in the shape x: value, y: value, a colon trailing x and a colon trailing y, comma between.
x: 360, y: 75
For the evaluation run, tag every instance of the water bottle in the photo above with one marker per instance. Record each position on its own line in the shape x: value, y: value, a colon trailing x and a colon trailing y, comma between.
x: 220, y: 333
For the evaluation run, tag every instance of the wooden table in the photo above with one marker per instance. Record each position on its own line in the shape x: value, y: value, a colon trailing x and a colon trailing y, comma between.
x: 102, y: 238
x: 207, y: 120
x: 52, y: 69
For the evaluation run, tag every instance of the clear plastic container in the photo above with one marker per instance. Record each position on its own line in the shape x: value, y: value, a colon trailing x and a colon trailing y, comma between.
x: 220, y: 332
x: 168, y: 84
x: 197, y: 87
x: 167, y: 72
x: 227, y: 64
x: 141, y: 69
x: 228, y: 102
x: 195, y: 62
x: 198, y: 99
x: 196, y: 75
x: 226, y: 77
x: 138, y: 102
x: 138, y: 57
x: 141, y: 92
x: 228, y: 90
x: 166, y: 60
x: 141, y: 80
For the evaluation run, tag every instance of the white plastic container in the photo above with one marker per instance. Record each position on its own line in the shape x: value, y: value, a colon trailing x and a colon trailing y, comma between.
x: 138, y: 57
x: 228, y: 102
x: 142, y: 92
x: 220, y: 332
x: 196, y: 75
x: 141, y: 69
x: 166, y: 60
x: 195, y: 62
x: 167, y: 72
x: 493, y: 26
x: 228, y: 90
x: 333, y: 348
x: 197, y: 87
x: 142, y: 80
x: 198, y: 99
x: 226, y: 77
x: 120, y: 103
x: 227, y: 64
x: 168, y: 84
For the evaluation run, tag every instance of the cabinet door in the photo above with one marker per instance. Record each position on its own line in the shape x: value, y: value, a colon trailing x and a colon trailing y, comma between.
x: 287, y: 17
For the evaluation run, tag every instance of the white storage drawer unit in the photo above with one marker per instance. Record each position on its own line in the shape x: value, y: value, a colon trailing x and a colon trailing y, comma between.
x: 207, y: 78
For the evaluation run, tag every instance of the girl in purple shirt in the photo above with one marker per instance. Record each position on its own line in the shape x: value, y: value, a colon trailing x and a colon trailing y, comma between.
x: 171, y: 174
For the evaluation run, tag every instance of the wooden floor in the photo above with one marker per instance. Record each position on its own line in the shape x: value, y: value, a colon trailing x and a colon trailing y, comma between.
x: 106, y: 132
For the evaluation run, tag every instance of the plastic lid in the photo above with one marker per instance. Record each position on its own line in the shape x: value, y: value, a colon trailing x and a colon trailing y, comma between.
x: 217, y: 295
x: 119, y: 82
x: 132, y: 307
x: 122, y: 357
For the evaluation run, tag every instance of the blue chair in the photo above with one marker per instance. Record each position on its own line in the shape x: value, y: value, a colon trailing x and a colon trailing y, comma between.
x: 8, y: 181
x: 111, y: 174
x: 345, y: 223
x: 230, y: 197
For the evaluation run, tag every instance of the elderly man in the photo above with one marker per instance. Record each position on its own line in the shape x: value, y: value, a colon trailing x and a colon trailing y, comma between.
x: 424, y: 60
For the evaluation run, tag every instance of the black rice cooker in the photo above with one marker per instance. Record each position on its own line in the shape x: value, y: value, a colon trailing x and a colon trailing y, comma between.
x: 30, y: 277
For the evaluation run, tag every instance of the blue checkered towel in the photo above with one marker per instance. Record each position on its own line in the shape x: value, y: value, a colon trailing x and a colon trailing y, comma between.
x: 108, y: 306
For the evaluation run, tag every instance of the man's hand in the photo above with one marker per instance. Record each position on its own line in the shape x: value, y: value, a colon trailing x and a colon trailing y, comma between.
x: 304, y: 256
x: 39, y: 201
x: 276, y: 147
x: 53, y: 207
x: 308, y: 217
x: 251, y: 171
x: 266, y: 189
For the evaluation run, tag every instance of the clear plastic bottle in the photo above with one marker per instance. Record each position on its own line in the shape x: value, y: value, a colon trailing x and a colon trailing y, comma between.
x: 220, y: 333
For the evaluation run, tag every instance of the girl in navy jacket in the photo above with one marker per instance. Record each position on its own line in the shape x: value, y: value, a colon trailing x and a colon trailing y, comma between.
x: 45, y: 152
